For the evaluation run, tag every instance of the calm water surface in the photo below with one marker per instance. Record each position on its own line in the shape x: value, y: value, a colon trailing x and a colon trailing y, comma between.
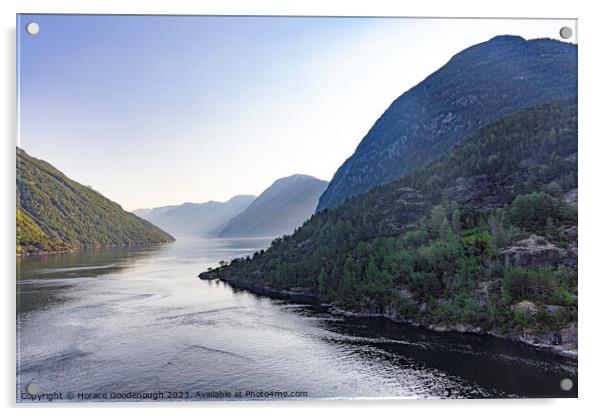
x: 138, y: 320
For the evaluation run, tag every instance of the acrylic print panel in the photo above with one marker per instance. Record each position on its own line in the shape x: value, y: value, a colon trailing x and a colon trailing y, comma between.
x: 295, y: 208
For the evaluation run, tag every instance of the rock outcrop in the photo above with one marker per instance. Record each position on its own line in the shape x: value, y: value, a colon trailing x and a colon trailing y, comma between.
x: 525, y: 308
x: 534, y: 251
x: 571, y: 196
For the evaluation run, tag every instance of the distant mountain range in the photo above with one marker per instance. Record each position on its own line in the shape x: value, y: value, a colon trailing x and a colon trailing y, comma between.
x: 282, y: 207
x: 196, y: 219
x: 478, y: 85
x: 55, y: 213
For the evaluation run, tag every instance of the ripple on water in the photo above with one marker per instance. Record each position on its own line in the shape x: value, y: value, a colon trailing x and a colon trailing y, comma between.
x: 151, y: 324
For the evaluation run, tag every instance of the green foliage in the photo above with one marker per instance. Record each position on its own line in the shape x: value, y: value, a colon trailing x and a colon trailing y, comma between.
x: 416, y: 237
x: 324, y: 286
x: 537, y: 212
x: 461, y: 309
x: 538, y: 284
x: 504, y: 233
x: 439, y: 226
x: 407, y: 308
x: 31, y: 238
x: 55, y: 213
x: 456, y: 223
x: 437, y: 231
x: 478, y: 242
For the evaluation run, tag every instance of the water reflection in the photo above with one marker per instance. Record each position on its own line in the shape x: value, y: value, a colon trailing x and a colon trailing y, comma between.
x: 42, y: 281
x: 140, y: 319
x: 503, y: 368
x: 90, y: 262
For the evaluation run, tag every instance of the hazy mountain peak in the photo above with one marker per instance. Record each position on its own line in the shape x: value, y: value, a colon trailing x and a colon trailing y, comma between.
x: 296, y: 177
x: 196, y: 219
x: 282, y: 207
x: 242, y: 197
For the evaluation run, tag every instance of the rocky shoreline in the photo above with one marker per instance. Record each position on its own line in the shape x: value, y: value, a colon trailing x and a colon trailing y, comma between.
x: 562, y: 343
x: 543, y: 341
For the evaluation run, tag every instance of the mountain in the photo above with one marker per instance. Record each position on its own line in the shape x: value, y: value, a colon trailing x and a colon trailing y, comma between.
x: 55, y: 213
x: 282, y: 207
x: 200, y: 220
x: 142, y: 212
x: 478, y: 85
x: 485, y: 237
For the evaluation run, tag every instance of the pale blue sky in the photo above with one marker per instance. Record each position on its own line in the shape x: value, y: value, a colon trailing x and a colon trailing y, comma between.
x: 157, y: 110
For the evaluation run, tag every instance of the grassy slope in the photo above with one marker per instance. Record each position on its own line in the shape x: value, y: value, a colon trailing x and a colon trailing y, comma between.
x: 55, y: 213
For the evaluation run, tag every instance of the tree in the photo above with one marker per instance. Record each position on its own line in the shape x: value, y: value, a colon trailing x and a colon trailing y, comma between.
x: 551, y: 229
x: 456, y: 221
x: 323, y: 288
x: 333, y: 281
x: 554, y: 188
x: 438, y: 216
x: 445, y: 231
x: 502, y: 231
x: 531, y: 211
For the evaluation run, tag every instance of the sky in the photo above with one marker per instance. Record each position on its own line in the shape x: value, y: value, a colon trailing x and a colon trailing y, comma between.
x: 161, y: 110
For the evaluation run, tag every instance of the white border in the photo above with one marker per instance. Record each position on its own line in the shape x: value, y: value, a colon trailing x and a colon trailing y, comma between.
x: 589, y: 201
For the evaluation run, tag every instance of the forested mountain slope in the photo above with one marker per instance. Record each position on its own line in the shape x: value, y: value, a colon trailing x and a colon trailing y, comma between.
x: 483, y: 236
x: 55, y: 213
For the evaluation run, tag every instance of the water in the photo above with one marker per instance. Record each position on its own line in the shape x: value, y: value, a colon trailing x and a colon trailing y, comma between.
x: 116, y: 321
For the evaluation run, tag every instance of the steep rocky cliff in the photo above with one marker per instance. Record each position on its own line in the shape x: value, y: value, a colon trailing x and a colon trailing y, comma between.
x: 477, y: 86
